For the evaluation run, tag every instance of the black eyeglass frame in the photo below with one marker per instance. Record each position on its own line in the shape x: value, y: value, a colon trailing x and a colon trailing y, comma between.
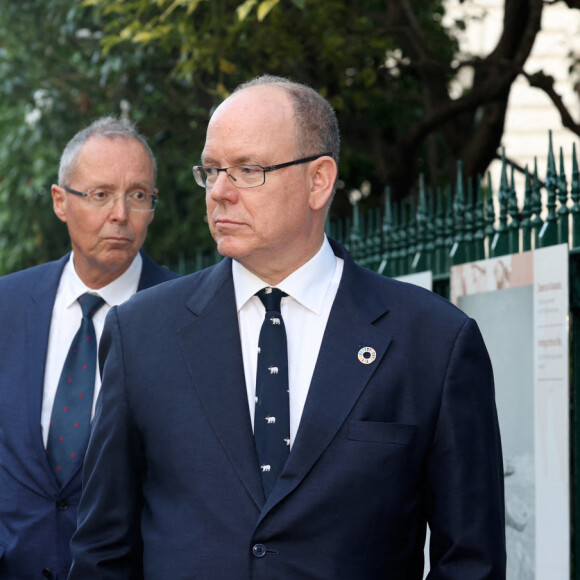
x: 154, y: 198
x: 196, y: 168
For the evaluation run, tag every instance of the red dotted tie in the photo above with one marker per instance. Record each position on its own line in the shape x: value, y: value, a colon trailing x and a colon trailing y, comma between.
x: 71, y: 413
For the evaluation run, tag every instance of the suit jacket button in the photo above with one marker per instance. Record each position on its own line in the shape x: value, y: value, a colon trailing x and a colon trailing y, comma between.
x: 61, y: 504
x: 259, y: 550
x: 46, y: 573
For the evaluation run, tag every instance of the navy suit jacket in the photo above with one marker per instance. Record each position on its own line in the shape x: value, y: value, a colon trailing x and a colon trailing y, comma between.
x: 37, y: 517
x: 172, y: 484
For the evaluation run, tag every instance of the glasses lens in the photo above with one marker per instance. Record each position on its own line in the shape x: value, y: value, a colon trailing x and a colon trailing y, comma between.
x: 241, y: 176
x: 247, y: 175
x: 136, y: 200
x: 141, y: 201
x: 199, y: 175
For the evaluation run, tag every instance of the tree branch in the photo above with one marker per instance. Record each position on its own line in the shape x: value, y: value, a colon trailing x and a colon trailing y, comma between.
x: 544, y: 82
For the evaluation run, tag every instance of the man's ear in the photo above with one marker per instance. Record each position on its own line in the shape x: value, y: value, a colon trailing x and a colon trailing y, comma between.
x: 323, y: 174
x: 59, y: 202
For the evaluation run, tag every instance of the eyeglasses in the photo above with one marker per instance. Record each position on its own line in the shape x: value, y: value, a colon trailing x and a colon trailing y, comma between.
x: 102, y: 199
x: 243, y: 176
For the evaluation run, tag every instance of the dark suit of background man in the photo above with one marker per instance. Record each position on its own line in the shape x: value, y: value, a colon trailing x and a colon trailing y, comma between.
x: 392, y: 415
x: 39, y: 315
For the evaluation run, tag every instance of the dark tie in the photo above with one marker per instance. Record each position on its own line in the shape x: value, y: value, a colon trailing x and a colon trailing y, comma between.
x: 71, y: 413
x: 272, y: 411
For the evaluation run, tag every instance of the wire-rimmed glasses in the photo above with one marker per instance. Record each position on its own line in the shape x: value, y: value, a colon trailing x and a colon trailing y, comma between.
x: 137, y: 200
x: 243, y: 176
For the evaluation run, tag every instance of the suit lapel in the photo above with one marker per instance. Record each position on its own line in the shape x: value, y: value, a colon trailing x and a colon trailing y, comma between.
x: 212, y: 351
x: 37, y: 323
x: 338, y: 381
x: 339, y: 377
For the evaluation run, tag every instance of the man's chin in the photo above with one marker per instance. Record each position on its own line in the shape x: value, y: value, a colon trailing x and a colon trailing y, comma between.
x: 228, y: 249
x: 235, y: 254
x: 117, y: 259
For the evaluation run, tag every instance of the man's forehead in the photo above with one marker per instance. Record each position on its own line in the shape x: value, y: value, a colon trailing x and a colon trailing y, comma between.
x: 100, y: 156
x: 248, y: 123
x: 237, y: 152
x: 254, y: 102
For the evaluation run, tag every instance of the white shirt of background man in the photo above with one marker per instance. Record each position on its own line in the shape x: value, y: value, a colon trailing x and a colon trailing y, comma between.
x: 66, y: 319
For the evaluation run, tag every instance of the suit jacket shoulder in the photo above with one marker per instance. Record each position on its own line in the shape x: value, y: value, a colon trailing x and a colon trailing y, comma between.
x: 46, y: 275
x: 153, y: 274
x: 363, y: 288
x: 196, y: 289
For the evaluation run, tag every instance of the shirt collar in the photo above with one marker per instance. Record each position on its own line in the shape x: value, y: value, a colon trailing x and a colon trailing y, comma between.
x: 308, y: 285
x: 115, y: 293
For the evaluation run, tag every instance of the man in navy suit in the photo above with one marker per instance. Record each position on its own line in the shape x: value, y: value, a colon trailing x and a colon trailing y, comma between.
x: 392, y: 418
x: 106, y: 196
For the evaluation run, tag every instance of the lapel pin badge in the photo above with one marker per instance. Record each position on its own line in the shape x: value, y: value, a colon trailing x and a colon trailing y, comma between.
x: 367, y: 355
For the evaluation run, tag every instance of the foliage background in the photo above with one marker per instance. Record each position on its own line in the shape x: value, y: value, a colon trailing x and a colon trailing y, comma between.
x: 387, y: 67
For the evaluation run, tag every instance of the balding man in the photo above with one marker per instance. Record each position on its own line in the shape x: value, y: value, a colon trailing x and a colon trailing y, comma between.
x: 287, y: 414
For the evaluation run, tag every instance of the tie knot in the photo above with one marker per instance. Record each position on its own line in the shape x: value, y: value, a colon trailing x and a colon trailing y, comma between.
x: 271, y: 298
x: 90, y: 303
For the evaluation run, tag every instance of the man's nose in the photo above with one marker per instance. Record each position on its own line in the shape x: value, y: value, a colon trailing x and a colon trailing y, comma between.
x: 120, y: 210
x: 223, y: 189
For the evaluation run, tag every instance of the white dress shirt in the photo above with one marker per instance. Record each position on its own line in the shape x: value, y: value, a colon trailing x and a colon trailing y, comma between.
x: 311, y: 291
x: 66, y: 320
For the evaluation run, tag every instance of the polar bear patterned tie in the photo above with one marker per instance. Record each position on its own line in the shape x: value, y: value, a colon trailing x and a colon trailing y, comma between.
x: 272, y: 411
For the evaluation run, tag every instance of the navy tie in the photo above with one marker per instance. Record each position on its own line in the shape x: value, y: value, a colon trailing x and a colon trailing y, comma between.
x: 272, y: 411
x: 73, y: 403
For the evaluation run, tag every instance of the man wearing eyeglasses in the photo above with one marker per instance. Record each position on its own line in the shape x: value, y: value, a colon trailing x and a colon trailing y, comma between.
x: 106, y: 196
x: 287, y: 414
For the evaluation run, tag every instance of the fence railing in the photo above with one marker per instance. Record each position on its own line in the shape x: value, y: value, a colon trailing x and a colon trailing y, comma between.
x: 440, y: 229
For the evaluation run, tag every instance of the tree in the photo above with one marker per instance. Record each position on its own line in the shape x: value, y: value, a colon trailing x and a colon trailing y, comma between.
x: 386, y: 66
x: 351, y: 55
x: 54, y: 81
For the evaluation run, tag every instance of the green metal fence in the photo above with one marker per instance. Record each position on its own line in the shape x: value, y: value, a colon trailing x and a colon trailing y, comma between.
x: 441, y: 229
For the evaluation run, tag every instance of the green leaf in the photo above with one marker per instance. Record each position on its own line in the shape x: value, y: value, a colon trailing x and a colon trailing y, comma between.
x: 264, y: 8
x: 144, y: 36
x: 226, y: 66
x: 244, y: 9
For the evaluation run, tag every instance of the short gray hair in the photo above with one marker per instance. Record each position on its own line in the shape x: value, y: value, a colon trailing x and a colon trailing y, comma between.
x: 109, y: 127
x: 316, y: 124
